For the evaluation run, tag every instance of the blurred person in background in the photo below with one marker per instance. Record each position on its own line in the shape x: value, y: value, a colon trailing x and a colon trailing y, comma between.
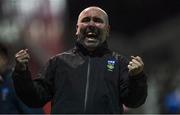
x: 90, y: 78
x: 172, y: 101
x: 9, y: 102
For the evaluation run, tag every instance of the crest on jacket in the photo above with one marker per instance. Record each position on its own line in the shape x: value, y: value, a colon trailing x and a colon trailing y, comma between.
x: 110, y: 65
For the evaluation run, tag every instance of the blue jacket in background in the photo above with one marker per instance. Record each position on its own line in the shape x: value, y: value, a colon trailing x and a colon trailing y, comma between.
x: 9, y: 102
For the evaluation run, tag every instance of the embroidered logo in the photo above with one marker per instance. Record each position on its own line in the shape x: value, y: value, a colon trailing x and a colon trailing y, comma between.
x: 110, y: 65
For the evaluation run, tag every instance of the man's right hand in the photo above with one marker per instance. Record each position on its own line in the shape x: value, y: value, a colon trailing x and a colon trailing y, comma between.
x: 22, y: 59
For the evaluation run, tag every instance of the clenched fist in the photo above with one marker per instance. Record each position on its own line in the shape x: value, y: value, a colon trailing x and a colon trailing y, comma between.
x: 135, y: 66
x: 22, y: 59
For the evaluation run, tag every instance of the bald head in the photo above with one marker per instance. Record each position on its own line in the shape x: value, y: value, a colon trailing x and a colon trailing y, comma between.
x: 92, y: 27
x: 97, y: 9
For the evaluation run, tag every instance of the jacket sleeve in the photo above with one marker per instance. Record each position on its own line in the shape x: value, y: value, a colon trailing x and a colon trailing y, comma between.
x: 35, y: 93
x: 133, y: 89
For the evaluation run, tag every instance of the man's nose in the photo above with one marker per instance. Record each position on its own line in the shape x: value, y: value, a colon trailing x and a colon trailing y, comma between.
x: 91, y: 23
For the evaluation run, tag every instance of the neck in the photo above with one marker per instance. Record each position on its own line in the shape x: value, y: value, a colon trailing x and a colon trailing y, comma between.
x: 98, y: 51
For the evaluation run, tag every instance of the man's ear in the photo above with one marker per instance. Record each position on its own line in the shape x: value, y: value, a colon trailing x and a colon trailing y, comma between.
x: 77, y: 30
x: 108, y: 30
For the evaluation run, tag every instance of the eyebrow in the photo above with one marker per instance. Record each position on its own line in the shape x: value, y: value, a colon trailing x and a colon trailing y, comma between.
x: 94, y: 18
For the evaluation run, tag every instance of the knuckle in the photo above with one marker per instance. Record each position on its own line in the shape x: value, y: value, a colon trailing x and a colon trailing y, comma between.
x: 138, y: 57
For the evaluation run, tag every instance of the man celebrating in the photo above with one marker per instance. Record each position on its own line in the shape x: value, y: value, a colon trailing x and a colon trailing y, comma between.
x: 90, y: 78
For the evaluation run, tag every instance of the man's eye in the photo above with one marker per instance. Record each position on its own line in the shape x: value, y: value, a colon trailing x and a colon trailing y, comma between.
x: 98, y: 20
x: 85, y: 20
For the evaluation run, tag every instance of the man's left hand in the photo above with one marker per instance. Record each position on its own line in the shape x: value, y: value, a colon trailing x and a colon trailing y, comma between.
x: 135, y: 66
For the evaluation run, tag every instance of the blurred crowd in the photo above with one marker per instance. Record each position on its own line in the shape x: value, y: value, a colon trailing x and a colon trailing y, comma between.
x: 40, y: 26
x: 35, y: 25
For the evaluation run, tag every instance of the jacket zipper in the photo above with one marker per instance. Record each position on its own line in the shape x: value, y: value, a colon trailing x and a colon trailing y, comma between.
x: 87, y: 84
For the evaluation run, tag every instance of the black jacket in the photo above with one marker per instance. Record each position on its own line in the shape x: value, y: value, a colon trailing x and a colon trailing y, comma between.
x: 78, y: 81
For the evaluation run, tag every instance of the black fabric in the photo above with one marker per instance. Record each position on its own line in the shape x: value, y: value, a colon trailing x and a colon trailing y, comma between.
x: 69, y: 76
x: 100, y: 50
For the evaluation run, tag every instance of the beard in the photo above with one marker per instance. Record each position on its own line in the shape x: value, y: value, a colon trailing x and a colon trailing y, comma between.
x: 89, y: 38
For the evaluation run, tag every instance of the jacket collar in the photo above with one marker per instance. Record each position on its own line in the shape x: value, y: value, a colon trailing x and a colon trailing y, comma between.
x: 99, y: 51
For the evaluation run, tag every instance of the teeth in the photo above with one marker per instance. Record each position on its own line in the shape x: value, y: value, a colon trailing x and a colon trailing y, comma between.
x: 90, y: 33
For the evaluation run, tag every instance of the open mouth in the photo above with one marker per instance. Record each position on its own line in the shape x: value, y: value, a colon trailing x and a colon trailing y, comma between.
x: 91, y: 35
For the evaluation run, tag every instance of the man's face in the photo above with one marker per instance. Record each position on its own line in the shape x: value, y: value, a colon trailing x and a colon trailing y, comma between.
x: 92, y: 28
